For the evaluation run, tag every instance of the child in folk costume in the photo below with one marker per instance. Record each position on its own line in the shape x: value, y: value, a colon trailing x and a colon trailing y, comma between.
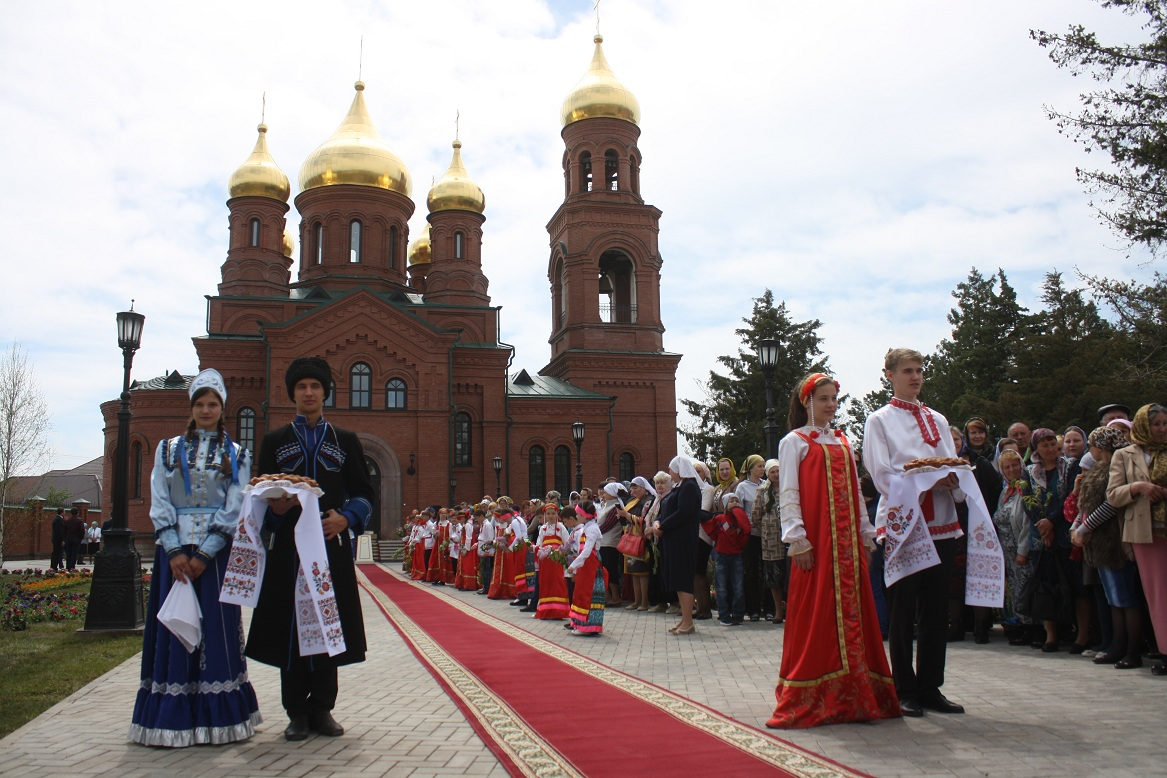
x: 467, y: 579
x: 571, y: 521
x: 417, y: 548
x: 502, y: 582
x: 833, y: 667
x: 591, y: 579
x: 553, y: 600
x: 428, y: 531
x: 437, y: 563
x: 517, y: 557
x: 486, y: 549
x: 455, y: 550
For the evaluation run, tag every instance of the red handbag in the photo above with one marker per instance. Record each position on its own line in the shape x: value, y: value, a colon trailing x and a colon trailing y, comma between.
x: 634, y: 546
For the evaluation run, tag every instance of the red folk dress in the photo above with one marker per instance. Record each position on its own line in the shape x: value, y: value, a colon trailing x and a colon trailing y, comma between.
x: 439, y: 557
x: 468, y: 562
x: 502, y: 581
x: 834, y: 668
x: 417, y: 565
x: 553, y: 602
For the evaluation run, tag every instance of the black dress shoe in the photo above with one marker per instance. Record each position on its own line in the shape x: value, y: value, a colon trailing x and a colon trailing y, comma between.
x: 1123, y: 664
x: 1159, y: 669
x: 1049, y: 648
x: 1106, y: 659
x: 516, y: 603
x: 911, y: 708
x: 297, y: 728
x: 527, y: 609
x: 939, y: 703
x: 325, y: 724
x: 1076, y: 649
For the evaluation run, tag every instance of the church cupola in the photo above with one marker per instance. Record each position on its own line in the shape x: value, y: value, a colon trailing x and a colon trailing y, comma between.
x: 600, y: 93
x: 355, y: 206
x: 258, y: 192
x: 420, y: 258
x: 456, y: 204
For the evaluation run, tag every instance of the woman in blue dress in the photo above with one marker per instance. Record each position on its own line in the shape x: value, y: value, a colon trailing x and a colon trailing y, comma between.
x: 204, y: 695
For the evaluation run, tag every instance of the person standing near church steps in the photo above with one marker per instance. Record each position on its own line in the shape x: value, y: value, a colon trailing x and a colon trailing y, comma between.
x: 312, y: 447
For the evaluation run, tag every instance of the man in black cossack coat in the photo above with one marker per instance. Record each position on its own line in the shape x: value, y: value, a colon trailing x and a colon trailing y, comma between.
x: 333, y: 457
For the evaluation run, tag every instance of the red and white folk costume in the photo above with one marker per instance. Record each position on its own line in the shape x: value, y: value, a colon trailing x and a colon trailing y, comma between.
x: 834, y: 669
x: 591, y: 580
x: 467, y: 579
x: 553, y: 601
x: 502, y: 581
x: 417, y: 544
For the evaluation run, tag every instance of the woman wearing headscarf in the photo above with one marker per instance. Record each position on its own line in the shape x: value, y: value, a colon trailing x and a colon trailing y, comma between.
x: 980, y: 452
x: 611, y: 529
x: 767, y: 515
x: 680, y: 517
x: 1013, y: 530
x: 1048, y: 478
x: 712, y: 497
x: 195, y: 689
x: 638, y: 569
x: 1138, y: 483
x: 658, y: 598
x: 753, y: 474
x: 1098, y: 531
x: 834, y: 668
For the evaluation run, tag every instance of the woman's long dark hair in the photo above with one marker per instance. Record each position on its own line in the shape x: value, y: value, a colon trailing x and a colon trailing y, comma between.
x: 192, y: 430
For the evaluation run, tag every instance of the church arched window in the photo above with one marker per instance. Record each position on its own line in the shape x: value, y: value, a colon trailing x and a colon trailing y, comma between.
x: 354, y: 241
x: 253, y: 232
x: 611, y: 171
x: 395, y: 394
x: 360, y: 391
x: 536, y: 472
x: 585, y: 172
x: 617, y: 288
x: 462, y: 457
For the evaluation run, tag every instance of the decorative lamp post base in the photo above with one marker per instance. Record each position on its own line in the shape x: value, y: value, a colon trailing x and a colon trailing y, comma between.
x: 115, y: 595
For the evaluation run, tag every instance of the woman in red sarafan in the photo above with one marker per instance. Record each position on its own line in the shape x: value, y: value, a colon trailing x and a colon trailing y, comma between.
x: 834, y: 668
x: 553, y: 599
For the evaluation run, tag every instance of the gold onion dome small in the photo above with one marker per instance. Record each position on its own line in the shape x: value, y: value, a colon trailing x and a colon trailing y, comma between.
x: 419, y: 248
x: 259, y: 175
x: 289, y: 246
x: 600, y: 93
x: 355, y: 154
x: 455, y: 191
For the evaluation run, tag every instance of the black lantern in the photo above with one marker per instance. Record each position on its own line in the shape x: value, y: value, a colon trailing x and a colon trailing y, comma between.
x: 769, y: 350
x: 497, y: 462
x: 115, y: 595
x: 577, y: 434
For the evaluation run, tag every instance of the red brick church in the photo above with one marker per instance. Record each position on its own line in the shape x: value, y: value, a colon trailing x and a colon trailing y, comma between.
x: 409, y: 330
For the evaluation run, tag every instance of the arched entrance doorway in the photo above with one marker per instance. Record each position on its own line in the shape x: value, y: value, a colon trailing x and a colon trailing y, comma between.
x: 385, y: 474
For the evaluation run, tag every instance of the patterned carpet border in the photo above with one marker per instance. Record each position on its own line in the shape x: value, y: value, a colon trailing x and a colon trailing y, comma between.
x: 761, y: 745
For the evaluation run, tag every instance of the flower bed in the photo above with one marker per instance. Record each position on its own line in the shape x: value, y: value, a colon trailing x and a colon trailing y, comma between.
x: 28, y: 596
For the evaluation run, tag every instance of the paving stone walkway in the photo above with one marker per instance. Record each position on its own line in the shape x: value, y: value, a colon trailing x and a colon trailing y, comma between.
x: 1029, y: 714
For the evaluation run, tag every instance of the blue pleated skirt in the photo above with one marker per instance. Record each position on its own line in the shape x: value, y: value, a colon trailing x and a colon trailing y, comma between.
x: 200, y: 697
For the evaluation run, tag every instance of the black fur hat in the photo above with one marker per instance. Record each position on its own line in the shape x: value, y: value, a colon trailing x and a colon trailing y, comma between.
x: 308, y: 367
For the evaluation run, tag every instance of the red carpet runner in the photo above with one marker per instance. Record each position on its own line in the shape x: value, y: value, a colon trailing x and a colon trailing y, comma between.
x: 547, y: 711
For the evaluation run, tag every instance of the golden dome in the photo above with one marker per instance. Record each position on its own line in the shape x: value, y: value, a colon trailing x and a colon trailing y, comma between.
x: 355, y: 154
x: 455, y: 191
x: 600, y: 93
x: 259, y: 176
x: 419, y: 248
x: 289, y: 245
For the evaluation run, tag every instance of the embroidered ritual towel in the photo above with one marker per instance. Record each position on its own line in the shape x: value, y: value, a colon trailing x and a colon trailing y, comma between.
x: 908, y: 547
x: 181, y: 614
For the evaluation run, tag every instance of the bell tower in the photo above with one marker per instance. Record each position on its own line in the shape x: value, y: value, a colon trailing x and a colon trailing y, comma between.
x: 604, y: 268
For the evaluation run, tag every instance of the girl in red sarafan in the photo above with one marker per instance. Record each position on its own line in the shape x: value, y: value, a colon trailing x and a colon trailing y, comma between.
x: 834, y: 668
x: 553, y: 600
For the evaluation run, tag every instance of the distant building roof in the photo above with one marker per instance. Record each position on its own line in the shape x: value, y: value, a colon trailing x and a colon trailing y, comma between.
x: 174, y: 380
x: 523, y: 384
x: 76, y: 486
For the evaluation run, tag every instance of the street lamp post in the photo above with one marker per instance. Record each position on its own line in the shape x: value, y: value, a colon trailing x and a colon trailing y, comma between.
x: 768, y: 353
x: 497, y: 476
x: 577, y: 434
x: 115, y: 595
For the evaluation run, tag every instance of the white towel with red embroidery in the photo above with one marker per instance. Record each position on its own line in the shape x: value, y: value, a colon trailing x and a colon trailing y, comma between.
x: 908, y: 547
x: 317, y: 616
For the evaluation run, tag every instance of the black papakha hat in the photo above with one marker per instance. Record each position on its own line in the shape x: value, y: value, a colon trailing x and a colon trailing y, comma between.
x: 1105, y: 409
x: 308, y: 367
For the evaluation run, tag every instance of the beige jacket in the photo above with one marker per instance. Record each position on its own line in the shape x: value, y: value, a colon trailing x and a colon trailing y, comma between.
x: 1127, y: 467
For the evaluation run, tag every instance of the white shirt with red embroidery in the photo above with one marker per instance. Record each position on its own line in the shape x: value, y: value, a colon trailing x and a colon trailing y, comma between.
x: 894, y: 436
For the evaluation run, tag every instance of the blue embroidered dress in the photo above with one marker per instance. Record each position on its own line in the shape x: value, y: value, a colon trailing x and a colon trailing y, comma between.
x: 203, y: 696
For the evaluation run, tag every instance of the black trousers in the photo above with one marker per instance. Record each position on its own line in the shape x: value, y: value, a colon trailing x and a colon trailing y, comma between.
x: 58, y: 560
x: 920, y: 600
x: 72, y: 549
x: 752, y: 560
x: 305, y: 690
x: 486, y: 571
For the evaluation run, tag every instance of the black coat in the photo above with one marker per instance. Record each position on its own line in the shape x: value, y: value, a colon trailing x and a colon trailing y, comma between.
x: 680, y: 519
x: 273, y: 638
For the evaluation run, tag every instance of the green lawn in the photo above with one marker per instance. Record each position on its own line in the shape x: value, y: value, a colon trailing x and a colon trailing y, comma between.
x: 47, y: 662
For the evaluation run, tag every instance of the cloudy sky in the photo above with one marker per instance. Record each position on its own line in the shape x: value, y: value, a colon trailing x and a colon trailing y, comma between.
x: 857, y: 158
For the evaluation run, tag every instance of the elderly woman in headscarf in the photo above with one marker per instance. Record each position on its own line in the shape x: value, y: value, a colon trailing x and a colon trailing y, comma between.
x: 1138, y: 483
x: 611, y: 528
x: 638, y: 569
x: 753, y: 472
x: 679, y: 519
x: 1098, y: 530
x: 1048, y: 476
x: 980, y: 452
x: 767, y: 516
x: 1013, y: 530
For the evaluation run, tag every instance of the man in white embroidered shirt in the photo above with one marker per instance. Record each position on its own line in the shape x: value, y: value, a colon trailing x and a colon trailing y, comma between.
x: 897, y: 433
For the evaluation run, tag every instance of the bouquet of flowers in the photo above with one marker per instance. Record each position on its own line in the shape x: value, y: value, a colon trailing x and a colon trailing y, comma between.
x: 521, y: 544
x: 560, y: 556
x: 445, y: 544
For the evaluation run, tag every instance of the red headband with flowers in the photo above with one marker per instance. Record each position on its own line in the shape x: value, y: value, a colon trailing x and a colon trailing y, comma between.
x: 808, y: 386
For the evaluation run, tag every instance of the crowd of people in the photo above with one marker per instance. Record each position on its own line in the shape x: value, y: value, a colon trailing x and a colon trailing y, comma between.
x: 1062, y: 539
